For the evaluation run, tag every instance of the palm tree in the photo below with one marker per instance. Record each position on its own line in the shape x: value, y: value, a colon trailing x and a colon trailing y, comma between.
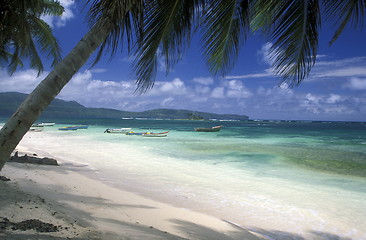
x: 110, y: 19
x: 22, y: 32
x: 168, y: 25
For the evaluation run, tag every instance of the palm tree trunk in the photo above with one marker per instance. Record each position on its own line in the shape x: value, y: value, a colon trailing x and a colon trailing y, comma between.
x: 32, y: 107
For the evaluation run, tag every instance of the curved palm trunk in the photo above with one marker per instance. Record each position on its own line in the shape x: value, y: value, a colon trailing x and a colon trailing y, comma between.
x: 32, y: 107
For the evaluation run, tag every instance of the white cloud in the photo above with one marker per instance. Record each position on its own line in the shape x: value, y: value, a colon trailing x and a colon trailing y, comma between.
x: 312, y: 98
x: 343, y: 72
x: 204, y: 80
x: 356, y: 84
x: 320, y: 56
x: 66, y: 15
x: 167, y: 101
x: 341, y: 62
x: 218, y: 92
x: 202, y: 90
x: 329, y: 104
x: 338, y: 71
x: 266, y: 73
x: 333, y: 98
x: 176, y: 86
x: 236, y: 89
x: 229, y: 96
x: 265, y: 53
x: 20, y: 81
x: 81, y: 78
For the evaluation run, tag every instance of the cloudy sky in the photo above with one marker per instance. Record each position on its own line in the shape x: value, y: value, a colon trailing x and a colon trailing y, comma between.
x: 335, y: 89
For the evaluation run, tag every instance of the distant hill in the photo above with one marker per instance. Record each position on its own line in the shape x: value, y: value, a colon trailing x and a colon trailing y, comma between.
x: 9, y: 102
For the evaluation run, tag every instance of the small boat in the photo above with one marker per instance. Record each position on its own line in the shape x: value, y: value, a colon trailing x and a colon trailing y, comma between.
x: 148, y: 134
x: 73, y: 127
x: 117, y: 130
x: 211, y: 129
x: 82, y: 126
x: 68, y: 128
x: 43, y: 124
x: 35, y: 129
x: 133, y: 133
x: 152, y: 134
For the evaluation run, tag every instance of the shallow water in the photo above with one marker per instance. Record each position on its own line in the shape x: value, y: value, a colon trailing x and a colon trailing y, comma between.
x: 285, y: 180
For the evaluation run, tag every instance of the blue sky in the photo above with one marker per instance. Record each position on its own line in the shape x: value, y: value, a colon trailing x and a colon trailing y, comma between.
x: 335, y: 89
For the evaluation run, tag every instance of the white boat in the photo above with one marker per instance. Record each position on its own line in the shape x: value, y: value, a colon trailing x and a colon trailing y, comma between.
x: 43, y: 124
x: 117, y: 130
x: 211, y: 129
x: 152, y: 134
x: 36, y: 129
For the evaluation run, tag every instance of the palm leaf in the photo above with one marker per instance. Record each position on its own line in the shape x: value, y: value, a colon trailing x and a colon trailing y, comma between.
x: 15, y: 60
x: 167, y: 25
x: 344, y: 12
x: 122, y: 18
x: 21, y: 23
x: 226, y: 23
x: 35, y: 60
x: 51, y: 7
x: 45, y: 40
x: 294, y: 33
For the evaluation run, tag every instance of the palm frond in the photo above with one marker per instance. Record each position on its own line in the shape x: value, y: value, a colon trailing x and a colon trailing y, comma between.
x: 294, y: 32
x: 343, y: 13
x: 35, y: 60
x: 226, y: 23
x: 15, y: 61
x: 167, y: 28
x: 20, y: 23
x: 123, y: 18
x: 45, y: 39
x: 52, y: 7
x: 261, y: 16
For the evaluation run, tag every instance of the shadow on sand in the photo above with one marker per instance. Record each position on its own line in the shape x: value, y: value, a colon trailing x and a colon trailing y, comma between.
x: 126, y: 230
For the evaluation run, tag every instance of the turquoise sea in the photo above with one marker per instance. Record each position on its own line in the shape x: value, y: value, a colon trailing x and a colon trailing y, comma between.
x: 284, y: 180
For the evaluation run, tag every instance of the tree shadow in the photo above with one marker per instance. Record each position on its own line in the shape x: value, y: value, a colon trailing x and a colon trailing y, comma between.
x: 128, y: 230
x: 200, y: 232
x: 282, y: 235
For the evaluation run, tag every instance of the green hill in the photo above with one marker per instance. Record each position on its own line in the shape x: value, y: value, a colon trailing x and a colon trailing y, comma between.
x: 10, y: 101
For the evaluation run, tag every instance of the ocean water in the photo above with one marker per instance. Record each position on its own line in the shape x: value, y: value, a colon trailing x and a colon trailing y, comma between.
x: 284, y: 180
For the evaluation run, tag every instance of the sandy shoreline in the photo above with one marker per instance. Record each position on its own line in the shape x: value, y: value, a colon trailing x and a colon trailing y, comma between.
x: 85, y: 208
x: 103, y: 190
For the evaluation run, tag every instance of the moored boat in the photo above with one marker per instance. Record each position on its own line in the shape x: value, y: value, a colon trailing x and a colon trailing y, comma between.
x: 152, y: 134
x: 35, y: 129
x: 211, y: 129
x: 73, y: 127
x: 117, y: 130
x: 148, y: 134
x: 68, y: 128
x: 133, y: 133
x: 43, y: 124
x: 82, y: 126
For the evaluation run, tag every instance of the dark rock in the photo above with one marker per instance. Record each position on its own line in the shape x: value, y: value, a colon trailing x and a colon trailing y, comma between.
x: 35, y: 224
x: 2, y: 178
x: 33, y: 160
x: 4, y: 223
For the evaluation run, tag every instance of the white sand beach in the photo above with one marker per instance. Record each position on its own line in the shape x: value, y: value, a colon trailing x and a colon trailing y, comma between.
x: 128, y: 187
x: 85, y: 208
